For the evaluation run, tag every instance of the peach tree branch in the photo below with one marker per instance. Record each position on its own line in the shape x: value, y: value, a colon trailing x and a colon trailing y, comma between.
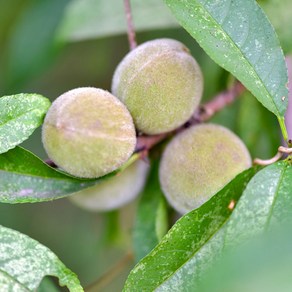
x: 130, y: 25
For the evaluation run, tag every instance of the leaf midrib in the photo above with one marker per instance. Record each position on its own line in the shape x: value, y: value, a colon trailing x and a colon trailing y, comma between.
x: 13, y: 279
x: 220, y: 226
x: 18, y: 117
x: 42, y: 177
x: 196, y: 251
x: 242, y: 54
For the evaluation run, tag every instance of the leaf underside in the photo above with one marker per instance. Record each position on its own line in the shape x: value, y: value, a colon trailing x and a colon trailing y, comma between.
x: 20, y: 115
x: 24, y: 262
x: 24, y: 178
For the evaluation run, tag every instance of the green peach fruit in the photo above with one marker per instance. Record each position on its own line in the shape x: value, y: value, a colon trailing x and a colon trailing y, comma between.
x: 114, y: 192
x: 199, y: 162
x: 88, y: 132
x: 160, y: 83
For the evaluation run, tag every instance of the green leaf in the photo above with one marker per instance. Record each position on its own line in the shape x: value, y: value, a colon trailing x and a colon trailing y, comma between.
x: 25, y: 178
x: 24, y: 262
x: 288, y: 116
x: 187, y: 242
x: 161, y: 227
x: 238, y: 36
x: 150, y: 216
x: 20, y: 115
x: 99, y: 18
x: 266, y: 202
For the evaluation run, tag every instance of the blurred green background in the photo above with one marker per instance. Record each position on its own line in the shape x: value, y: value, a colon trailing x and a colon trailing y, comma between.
x: 51, y: 46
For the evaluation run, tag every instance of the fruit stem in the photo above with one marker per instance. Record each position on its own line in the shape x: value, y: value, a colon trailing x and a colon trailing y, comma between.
x: 130, y: 24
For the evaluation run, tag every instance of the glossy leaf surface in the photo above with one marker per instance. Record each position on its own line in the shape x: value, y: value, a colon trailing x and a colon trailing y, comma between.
x: 25, y: 178
x: 187, y: 241
x: 238, y: 36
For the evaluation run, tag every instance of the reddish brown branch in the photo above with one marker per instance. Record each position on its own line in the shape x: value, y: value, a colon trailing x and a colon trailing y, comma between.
x: 219, y: 102
x: 203, y: 114
x: 131, y: 29
x: 147, y: 142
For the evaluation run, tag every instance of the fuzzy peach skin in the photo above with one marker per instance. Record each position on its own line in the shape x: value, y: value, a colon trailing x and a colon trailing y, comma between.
x: 114, y: 192
x: 160, y: 83
x: 198, y: 162
x: 88, y: 132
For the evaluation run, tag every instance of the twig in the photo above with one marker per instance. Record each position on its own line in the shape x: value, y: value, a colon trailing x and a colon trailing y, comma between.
x: 203, y: 114
x: 131, y: 30
x: 144, y: 143
x: 220, y: 101
x: 109, y: 276
x: 268, y: 161
x: 285, y: 150
x: 281, y: 151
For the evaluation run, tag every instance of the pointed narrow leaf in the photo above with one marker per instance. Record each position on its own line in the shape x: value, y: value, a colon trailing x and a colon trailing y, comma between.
x: 288, y: 116
x: 238, y: 36
x: 267, y: 201
x: 25, y: 178
x: 24, y: 262
x: 20, y: 115
x: 187, y: 241
x: 145, y: 236
x: 161, y: 224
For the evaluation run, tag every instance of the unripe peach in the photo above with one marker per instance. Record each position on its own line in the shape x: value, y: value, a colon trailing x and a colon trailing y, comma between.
x: 198, y: 162
x: 161, y: 85
x: 114, y: 192
x: 88, y: 132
